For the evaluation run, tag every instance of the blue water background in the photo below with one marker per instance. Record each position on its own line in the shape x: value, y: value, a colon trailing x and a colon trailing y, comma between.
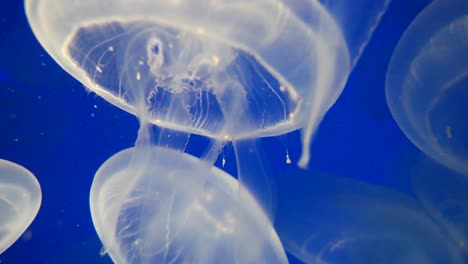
x: 53, y: 127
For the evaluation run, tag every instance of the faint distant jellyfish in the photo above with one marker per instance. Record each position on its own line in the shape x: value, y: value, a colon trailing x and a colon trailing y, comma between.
x: 323, y: 218
x: 427, y: 83
x: 20, y: 199
x: 443, y: 192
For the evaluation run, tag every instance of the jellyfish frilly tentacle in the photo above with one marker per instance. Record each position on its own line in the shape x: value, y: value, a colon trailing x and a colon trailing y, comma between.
x: 338, y: 54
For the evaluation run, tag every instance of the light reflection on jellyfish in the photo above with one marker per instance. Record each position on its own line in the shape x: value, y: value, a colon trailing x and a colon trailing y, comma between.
x: 228, y: 70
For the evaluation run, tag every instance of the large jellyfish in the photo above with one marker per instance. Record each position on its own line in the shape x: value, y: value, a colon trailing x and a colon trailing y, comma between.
x: 228, y: 70
x: 20, y: 199
x: 426, y: 83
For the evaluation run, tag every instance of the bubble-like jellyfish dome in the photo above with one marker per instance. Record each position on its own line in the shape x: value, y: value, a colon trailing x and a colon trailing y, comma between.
x: 223, y: 69
x: 20, y: 199
x: 427, y: 83
x: 186, y: 214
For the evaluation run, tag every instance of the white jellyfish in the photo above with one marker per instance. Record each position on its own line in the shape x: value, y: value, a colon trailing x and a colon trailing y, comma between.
x: 162, y: 206
x: 426, y: 83
x: 20, y: 199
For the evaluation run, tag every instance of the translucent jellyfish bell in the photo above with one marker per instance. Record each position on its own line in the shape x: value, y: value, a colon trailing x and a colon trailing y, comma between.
x: 20, y: 199
x: 224, y: 69
x: 426, y: 83
x: 146, y: 210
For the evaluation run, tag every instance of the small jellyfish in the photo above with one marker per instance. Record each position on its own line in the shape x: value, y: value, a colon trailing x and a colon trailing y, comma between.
x: 426, y: 83
x: 20, y: 199
x: 324, y: 218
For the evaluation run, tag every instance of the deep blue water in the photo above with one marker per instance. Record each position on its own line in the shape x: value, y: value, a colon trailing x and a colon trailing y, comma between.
x: 52, y: 126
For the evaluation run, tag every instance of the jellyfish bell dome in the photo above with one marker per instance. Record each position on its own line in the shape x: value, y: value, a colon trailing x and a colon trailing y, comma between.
x: 20, y: 199
x: 426, y: 83
x: 223, y: 69
x: 145, y: 210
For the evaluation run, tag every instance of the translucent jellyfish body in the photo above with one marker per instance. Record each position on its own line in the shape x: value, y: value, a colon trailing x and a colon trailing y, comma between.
x: 20, y: 199
x: 224, y: 69
x: 146, y: 210
x: 443, y: 192
x: 427, y: 80
x: 323, y: 218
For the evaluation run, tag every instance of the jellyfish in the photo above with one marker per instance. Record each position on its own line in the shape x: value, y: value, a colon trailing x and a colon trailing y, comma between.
x: 348, y: 221
x: 232, y: 71
x: 146, y: 210
x: 20, y: 199
x: 442, y: 192
x: 426, y: 83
